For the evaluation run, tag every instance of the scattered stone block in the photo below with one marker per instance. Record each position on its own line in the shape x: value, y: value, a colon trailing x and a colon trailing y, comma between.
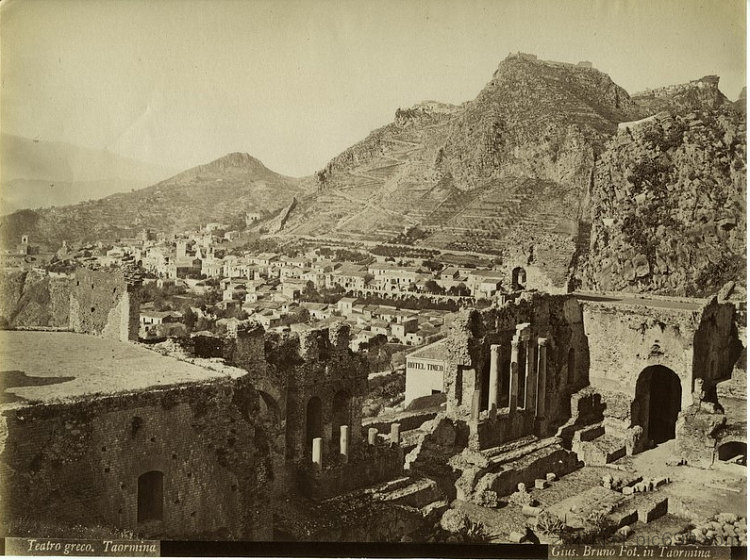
x: 628, y: 490
x: 624, y: 517
x: 551, y: 477
x: 540, y: 483
x: 653, y: 510
x: 531, y: 511
x: 624, y: 531
x: 659, y: 482
x: 515, y: 537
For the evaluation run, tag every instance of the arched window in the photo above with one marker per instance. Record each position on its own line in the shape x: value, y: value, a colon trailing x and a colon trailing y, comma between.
x: 314, y: 424
x: 151, y: 496
x: 518, y: 279
x: 341, y: 411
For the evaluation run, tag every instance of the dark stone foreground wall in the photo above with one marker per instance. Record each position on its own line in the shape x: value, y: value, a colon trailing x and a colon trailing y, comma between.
x: 79, y: 463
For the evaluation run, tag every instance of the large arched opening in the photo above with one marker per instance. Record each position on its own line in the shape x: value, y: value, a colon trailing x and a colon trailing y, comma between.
x: 313, y: 422
x: 657, y: 402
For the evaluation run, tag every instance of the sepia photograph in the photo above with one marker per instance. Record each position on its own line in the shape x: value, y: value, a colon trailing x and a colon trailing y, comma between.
x: 421, y: 278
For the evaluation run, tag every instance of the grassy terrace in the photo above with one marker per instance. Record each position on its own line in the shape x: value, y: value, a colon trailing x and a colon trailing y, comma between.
x: 75, y: 365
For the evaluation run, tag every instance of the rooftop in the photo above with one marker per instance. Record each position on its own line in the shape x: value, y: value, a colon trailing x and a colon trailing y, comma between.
x: 50, y: 367
x: 435, y: 351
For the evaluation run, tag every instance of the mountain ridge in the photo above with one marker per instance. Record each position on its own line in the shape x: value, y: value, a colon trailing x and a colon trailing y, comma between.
x: 518, y: 172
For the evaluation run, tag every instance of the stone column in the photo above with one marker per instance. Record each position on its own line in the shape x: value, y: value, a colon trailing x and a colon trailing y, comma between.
x: 494, y: 375
x: 513, y: 401
x: 395, y: 433
x: 344, y: 443
x: 372, y: 436
x: 541, y: 378
x: 317, y: 451
x: 530, y: 384
x: 476, y: 403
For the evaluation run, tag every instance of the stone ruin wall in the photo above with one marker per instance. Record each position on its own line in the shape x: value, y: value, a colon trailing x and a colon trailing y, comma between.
x: 625, y: 340
x: 291, y: 369
x: 101, y: 304
x: 556, y: 318
x: 79, y: 463
x: 93, y: 302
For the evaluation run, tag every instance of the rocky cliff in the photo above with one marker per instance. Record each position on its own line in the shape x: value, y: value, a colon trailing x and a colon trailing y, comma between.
x: 507, y: 173
x: 668, y: 208
x: 702, y: 94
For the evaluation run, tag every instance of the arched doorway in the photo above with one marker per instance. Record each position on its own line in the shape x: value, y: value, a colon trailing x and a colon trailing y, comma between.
x: 314, y: 422
x: 658, y: 396
x: 733, y: 452
x: 518, y: 278
x: 342, y: 415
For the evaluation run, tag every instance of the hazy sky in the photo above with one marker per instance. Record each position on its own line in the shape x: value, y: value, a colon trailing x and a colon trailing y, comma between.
x: 295, y: 82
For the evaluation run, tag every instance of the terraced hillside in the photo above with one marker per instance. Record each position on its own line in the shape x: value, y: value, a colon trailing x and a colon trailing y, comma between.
x: 507, y: 173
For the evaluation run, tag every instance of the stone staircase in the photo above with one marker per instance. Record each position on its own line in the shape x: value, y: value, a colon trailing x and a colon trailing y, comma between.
x: 595, y: 446
x: 497, y: 472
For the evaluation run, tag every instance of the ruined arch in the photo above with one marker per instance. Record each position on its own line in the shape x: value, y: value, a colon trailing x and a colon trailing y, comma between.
x: 342, y: 411
x: 657, y: 402
x: 518, y: 278
x: 313, y: 422
x: 151, y: 497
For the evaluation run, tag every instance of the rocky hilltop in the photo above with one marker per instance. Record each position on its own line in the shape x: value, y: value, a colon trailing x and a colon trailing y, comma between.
x: 702, y: 94
x: 220, y: 191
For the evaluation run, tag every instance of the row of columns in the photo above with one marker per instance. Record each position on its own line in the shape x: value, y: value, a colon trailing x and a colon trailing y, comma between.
x: 372, y: 439
x: 534, y: 387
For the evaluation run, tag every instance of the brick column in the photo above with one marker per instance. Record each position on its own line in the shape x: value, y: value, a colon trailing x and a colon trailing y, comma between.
x: 541, y: 379
x: 395, y: 433
x: 530, y: 385
x: 317, y: 451
x: 513, y: 401
x: 372, y: 436
x: 494, y: 377
x: 476, y: 403
x: 344, y: 443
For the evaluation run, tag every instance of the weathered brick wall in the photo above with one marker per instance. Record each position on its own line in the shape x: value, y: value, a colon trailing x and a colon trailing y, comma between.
x: 626, y: 340
x: 100, y: 304
x: 290, y: 369
x: 716, y: 346
x: 555, y: 317
x: 368, y: 465
x: 80, y: 462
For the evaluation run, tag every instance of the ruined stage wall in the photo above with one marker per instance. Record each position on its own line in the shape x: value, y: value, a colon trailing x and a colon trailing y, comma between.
x: 626, y: 339
x: 79, y: 463
x: 554, y: 322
